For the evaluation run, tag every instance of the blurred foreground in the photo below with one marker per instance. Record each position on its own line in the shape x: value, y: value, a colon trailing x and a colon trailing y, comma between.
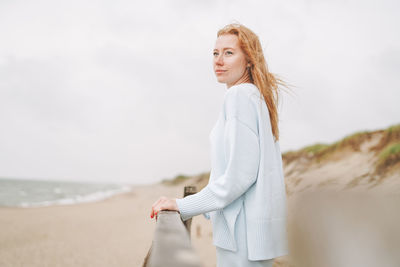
x: 344, y: 229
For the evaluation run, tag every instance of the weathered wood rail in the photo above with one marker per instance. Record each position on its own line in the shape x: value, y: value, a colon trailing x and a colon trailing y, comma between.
x: 171, y: 246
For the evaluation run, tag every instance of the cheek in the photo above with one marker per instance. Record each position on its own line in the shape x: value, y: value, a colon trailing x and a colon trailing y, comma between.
x: 238, y: 69
x: 239, y: 64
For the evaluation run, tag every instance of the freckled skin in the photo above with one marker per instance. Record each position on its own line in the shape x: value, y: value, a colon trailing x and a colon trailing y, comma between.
x: 229, y: 56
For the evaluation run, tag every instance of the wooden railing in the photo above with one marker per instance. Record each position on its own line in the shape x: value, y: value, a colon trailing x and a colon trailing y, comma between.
x: 171, y: 246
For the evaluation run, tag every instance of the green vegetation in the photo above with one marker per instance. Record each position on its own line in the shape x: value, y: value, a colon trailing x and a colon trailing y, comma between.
x: 312, y: 151
x: 387, y: 149
x: 394, y: 130
x: 390, y: 135
x: 354, y: 140
x: 320, y: 151
x: 388, y: 157
x: 289, y: 156
x: 176, y: 180
x: 315, y: 149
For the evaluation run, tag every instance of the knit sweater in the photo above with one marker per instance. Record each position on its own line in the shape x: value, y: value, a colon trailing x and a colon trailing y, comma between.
x: 246, y: 168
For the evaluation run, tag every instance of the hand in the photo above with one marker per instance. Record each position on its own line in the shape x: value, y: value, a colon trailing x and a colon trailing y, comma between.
x: 163, y: 203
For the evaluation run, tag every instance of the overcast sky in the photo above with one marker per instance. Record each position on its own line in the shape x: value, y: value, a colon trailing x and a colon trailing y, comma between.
x: 123, y: 91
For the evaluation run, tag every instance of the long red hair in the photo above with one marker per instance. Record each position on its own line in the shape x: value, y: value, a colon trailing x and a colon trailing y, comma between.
x: 266, y: 82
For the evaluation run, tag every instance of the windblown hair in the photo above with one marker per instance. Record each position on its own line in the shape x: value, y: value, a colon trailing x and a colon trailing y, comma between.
x: 265, y: 81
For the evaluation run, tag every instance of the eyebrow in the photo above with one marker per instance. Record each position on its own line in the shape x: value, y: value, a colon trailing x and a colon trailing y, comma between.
x: 225, y: 48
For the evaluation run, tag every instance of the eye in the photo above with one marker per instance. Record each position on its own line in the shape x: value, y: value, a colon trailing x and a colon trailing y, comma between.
x: 229, y: 52
x: 215, y: 53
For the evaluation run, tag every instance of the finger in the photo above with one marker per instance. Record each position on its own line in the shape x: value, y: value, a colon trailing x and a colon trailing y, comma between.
x: 154, y: 206
x: 163, y: 203
x: 159, y: 200
x: 158, y: 208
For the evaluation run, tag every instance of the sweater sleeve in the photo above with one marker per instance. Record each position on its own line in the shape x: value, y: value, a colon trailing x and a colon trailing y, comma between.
x: 242, y: 152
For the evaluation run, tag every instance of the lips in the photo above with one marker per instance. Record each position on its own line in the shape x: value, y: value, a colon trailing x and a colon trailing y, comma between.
x: 220, y: 71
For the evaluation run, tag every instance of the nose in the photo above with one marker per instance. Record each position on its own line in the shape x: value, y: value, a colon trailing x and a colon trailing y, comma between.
x: 219, y: 60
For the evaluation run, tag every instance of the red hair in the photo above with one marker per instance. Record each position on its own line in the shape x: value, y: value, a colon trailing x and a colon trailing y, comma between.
x: 265, y: 81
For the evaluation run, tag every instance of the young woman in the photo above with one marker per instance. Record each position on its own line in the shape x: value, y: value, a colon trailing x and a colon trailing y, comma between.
x: 245, y: 198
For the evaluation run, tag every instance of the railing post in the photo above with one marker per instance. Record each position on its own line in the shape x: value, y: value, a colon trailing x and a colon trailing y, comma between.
x: 189, y: 190
x: 171, y: 245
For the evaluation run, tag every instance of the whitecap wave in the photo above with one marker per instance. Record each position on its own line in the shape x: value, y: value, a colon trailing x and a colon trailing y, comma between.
x: 92, y: 197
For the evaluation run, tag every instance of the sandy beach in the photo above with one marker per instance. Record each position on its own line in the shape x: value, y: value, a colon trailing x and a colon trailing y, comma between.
x: 118, y: 231
x: 114, y: 232
x: 337, y: 206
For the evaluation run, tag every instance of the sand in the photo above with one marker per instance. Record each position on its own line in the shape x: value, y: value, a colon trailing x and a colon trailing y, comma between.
x: 114, y: 232
x: 119, y: 231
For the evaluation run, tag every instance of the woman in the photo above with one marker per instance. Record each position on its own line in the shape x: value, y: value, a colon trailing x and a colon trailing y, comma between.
x: 245, y: 198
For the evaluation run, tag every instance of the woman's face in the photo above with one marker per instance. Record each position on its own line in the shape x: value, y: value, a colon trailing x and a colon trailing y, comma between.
x: 229, y: 60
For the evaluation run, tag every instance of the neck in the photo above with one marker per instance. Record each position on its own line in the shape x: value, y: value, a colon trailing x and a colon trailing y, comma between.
x: 244, y: 79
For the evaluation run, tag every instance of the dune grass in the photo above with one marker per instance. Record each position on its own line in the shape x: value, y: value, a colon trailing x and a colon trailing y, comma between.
x: 387, y: 150
x: 390, y: 135
x: 176, y: 180
x: 321, y: 151
x: 316, y: 148
x: 389, y: 156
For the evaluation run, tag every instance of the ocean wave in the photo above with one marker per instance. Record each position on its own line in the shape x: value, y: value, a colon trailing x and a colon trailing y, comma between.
x: 91, y: 197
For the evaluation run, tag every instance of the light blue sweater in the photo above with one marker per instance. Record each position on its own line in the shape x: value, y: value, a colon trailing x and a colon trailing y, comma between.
x: 246, y: 166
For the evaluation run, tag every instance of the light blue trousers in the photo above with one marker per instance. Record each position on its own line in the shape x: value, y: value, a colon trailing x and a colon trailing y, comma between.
x: 227, y: 258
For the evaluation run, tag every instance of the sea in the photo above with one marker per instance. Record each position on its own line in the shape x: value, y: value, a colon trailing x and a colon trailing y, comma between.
x: 40, y: 193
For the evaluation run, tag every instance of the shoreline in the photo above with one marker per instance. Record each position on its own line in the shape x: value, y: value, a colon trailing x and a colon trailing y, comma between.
x: 116, y: 231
